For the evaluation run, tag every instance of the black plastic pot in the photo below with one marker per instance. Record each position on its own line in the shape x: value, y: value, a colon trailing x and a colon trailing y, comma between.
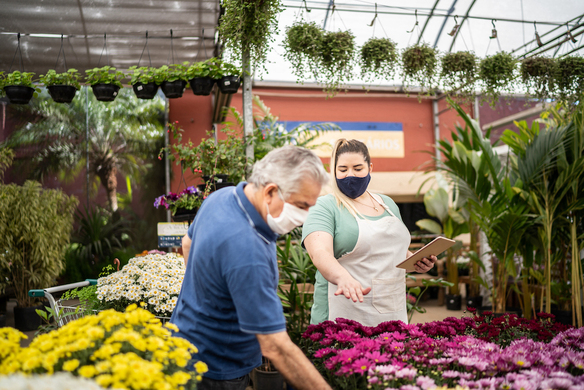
x: 229, y: 84
x: 453, y: 302
x: 184, y: 215
x: 105, y: 92
x: 145, y: 91
x: 202, y: 86
x: 62, y: 93
x: 26, y: 318
x: 173, y: 89
x: 508, y: 310
x: 476, y: 301
x: 267, y: 380
x: 19, y: 94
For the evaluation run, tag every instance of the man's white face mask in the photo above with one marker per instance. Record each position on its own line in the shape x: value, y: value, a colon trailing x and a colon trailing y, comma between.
x: 290, y: 218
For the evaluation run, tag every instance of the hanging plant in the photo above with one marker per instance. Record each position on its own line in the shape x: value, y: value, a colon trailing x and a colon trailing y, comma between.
x: 497, y: 72
x: 62, y: 86
x: 19, y: 87
x: 419, y: 66
x: 538, y: 75
x: 336, y: 61
x: 570, y: 78
x: 459, y: 73
x: 105, y: 82
x: 378, y: 59
x: 303, y: 44
x: 250, y: 25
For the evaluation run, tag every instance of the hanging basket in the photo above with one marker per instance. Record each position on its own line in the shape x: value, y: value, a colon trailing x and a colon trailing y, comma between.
x: 145, y: 91
x: 105, y: 92
x: 229, y: 84
x: 173, y: 89
x: 202, y: 86
x: 184, y: 215
x: 19, y: 94
x: 62, y: 93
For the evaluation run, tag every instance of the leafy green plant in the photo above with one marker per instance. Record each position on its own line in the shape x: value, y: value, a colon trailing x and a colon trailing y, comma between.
x: 417, y: 293
x: 249, y: 26
x: 336, y: 63
x: 539, y: 76
x: 459, y: 73
x: 497, y: 73
x: 173, y: 72
x: 419, y: 66
x: 378, y: 59
x: 570, y: 78
x: 303, y: 45
x: 49, y: 317
x: 71, y: 77
x: 144, y: 75
x: 104, y: 75
x: 228, y: 69
x: 6, y: 158
x: 207, y: 68
x: 19, y: 78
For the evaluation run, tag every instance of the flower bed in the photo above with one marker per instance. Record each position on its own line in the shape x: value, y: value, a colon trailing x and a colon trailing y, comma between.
x: 153, y: 280
x: 481, y: 352
x: 130, y: 350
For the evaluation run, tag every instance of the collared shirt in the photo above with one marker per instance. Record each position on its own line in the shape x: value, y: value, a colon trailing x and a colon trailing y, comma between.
x: 229, y: 289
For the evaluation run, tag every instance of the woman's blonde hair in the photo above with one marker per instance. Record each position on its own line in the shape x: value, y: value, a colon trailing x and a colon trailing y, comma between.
x: 343, y: 146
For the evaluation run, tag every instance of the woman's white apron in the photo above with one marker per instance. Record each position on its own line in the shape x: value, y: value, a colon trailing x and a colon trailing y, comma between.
x: 382, y: 244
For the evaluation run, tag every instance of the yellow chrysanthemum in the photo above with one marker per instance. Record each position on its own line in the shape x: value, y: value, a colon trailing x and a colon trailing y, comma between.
x: 201, y: 367
x: 87, y: 371
x: 71, y: 365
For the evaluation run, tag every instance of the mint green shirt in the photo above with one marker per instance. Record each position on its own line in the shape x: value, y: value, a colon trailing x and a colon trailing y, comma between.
x: 327, y: 217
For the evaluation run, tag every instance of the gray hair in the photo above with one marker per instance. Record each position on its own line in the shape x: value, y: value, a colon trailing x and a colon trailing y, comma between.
x: 288, y: 167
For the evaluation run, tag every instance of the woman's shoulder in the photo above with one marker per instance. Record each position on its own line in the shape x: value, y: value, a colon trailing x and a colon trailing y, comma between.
x: 386, y: 199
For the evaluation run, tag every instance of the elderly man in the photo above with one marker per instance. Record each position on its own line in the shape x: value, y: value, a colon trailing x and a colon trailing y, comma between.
x: 228, y: 306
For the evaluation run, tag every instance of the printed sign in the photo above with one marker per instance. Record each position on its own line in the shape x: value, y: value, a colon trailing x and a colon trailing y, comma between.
x: 170, y: 234
x: 383, y: 139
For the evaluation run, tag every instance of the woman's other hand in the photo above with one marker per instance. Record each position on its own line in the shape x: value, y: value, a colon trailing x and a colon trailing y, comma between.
x: 351, y: 289
x: 426, y: 264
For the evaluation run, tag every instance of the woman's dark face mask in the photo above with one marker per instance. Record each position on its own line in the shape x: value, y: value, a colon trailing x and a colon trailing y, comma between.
x: 354, y: 186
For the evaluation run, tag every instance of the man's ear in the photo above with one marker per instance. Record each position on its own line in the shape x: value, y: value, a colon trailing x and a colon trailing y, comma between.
x: 270, y: 190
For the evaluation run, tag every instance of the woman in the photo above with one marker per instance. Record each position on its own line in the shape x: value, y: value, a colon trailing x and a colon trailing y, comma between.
x: 356, y: 239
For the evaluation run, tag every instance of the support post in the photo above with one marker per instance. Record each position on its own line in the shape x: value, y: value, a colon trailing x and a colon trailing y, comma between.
x: 436, y: 128
x: 166, y: 161
x: 477, y: 111
x: 247, y: 105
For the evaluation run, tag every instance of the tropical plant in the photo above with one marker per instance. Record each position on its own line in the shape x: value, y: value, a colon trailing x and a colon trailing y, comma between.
x: 303, y: 45
x: 70, y: 77
x: 570, y: 78
x: 497, y: 73
x: 104, y: 75
x: 144, y: 75
x: 459, y: 73
x: 539, y: 76
x: 378, y: 59
x: 249, y: 26
x: 35, y: 226
x: 419, y: 66
x: 6, y: 158
x: 336, y: 62
x: 121, y: 137
x: 173, y: 72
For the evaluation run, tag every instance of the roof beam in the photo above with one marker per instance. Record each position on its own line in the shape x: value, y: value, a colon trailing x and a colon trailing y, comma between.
x: 427, y: 20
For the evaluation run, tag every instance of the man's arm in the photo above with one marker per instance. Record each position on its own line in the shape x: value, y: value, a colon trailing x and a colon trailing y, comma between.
x: 291, y: 362
x: 186, y: 247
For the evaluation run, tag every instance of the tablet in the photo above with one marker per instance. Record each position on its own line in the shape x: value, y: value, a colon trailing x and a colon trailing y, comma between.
x: 435, y: 247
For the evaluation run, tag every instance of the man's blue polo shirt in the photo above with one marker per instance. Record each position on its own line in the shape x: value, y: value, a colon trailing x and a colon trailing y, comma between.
x: 229, y: 289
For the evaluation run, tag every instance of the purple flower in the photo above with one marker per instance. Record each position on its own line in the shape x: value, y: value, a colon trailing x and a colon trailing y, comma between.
x: 323, y: 352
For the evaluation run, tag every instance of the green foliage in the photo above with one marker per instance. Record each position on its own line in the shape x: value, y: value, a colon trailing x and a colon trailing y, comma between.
x: 50, y: 316
x: 2, y: 84
x: 419, y: 66
x: 228, y: 69
x: 303, y: 44
x: 104, y: 75
x: 6, y: 158
x: 19, y: 78
x: 497, y: 72
x: 459, y: 72
x: 87, y: 296
x: 378, y: 59
x: 417, y: 292
x: 249, y: 26
x: 145, y: 75
x: 570, y: 78
x: 337, y: 52
x: 71, y: 77
x: 35, y: 226
x: 173, y: 72
x: 208, y: 68
x: 539, y: 76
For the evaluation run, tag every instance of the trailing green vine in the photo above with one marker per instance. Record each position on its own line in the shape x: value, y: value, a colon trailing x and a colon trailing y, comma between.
x: 539, y: 75
x: 570, y: 78
x: 419, y: 66
x: 303, y: 44
x: 459, y: 73
x: 378, y: 59
x: 338, y: 50
x: 250, y: 25
x: 497, y: 72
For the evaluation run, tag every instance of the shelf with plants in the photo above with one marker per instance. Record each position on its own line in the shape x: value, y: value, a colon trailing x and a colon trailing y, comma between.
x: 105, y: 82
x: 62, y: 86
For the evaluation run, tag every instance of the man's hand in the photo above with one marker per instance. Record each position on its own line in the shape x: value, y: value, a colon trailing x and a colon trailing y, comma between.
x: 351, y: 289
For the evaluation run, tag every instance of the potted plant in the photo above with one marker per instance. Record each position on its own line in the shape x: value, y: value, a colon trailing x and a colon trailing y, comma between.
x: 419, y: 66
x: 497, y: 72
x: 570, y: 78
x: 539, y: 75
x: 105, y: 82
x: 62, y: 86
x: 184, y: 205
x: 303, y: 45
x: 459, y: 73
x: 202, y: 76
x: 175, y: 78
x: 378, y: 59
x: 230, y: 78
x: 266, y: 376
x: 19, y: 87
x: 336, y: 60
x: 144, y: 80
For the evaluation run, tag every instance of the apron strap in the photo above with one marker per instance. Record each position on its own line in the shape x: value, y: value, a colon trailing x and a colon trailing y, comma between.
x: 381, y: 203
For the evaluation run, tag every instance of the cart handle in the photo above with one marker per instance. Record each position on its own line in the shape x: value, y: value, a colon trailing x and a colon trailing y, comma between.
x: 41, y: 293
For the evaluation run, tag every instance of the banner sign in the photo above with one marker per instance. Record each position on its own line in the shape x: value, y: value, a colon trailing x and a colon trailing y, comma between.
x: 170, y: 234
x: 383, y: 139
